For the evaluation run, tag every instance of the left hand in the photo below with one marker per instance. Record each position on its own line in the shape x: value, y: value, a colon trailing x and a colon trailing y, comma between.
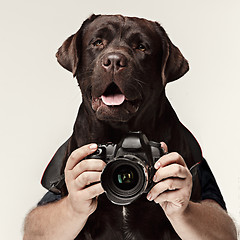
x: 173, y: 184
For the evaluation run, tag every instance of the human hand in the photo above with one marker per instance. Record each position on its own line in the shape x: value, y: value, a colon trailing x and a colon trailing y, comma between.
x: 79, y: 176
x: 173, y: 183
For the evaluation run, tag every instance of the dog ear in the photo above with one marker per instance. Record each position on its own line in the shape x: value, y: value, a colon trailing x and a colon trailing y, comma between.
x: 174, y: 65
x: 68, y: 54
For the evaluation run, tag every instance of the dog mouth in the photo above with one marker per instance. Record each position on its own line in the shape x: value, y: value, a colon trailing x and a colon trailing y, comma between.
x: 113, y: 103
x: 113, y: 96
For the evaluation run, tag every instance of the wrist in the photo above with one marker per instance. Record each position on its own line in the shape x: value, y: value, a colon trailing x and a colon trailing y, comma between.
x: 71, y: 213
x: 181, y: 215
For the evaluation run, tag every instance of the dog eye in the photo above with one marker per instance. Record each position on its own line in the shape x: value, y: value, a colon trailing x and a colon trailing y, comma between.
x: 98, y: 43
x: 141, y: 47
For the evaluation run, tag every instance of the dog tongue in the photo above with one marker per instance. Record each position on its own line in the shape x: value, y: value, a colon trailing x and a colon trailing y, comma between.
x: 113, y: 100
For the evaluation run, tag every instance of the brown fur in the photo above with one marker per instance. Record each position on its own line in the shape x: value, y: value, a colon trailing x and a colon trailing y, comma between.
x: 141, y: 73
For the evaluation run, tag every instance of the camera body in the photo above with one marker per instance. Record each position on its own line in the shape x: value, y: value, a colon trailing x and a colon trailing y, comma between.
x: 130, y: 167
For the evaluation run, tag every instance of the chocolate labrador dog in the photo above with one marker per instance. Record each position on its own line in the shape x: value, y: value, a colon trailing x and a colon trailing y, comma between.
x: 122, y: 65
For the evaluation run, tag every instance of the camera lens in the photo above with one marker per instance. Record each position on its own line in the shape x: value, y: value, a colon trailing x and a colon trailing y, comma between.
x: 125, y: 177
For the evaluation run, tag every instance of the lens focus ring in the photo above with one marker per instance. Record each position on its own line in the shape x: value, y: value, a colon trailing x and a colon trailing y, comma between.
x: 124, y: 179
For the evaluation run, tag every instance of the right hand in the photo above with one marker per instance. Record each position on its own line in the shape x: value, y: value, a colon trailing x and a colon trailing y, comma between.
x: 79, y: 174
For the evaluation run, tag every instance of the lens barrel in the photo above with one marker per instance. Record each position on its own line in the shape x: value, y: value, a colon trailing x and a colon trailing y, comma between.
x: 124, y: 179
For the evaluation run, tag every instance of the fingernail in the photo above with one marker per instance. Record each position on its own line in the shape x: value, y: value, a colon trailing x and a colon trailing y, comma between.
x: 157, y: 165
x: 149, y: 197
x: 154, y: 178
x: 93, y: 146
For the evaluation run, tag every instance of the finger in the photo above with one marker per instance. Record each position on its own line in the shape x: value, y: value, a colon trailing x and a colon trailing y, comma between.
x: 176, y: 198
x: 168, y: 159
x: 79, y: 154
x: 92, y: 191
x: 87, y: 165
x: 164, y: 147
x: 165, y: 151
x: 170, y: 184
x: 86, y: 179
x: 173, y: 170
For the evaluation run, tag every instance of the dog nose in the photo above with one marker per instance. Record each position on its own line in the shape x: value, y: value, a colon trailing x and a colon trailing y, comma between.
x: 114, y: 61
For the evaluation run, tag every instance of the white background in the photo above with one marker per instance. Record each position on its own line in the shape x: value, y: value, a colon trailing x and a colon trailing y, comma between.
x: 39, y: 99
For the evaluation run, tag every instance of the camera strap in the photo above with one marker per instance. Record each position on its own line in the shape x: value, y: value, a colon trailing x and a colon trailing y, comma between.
x: 52, y: 178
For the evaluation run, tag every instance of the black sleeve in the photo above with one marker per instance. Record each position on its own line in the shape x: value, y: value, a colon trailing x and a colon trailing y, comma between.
x: 48, y: 198
x: 210, y: 189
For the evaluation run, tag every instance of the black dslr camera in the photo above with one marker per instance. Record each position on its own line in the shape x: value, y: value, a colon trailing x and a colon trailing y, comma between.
x: 130, y: 167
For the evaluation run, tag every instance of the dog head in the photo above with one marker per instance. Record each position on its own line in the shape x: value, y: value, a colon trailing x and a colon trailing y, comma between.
x: 122, y: 64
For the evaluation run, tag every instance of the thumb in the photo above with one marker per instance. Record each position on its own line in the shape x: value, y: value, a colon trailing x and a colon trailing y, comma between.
x: 165, y: 151
x: 164, y: 147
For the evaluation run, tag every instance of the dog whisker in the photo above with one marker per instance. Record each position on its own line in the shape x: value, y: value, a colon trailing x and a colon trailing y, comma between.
x: 139, y: 82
